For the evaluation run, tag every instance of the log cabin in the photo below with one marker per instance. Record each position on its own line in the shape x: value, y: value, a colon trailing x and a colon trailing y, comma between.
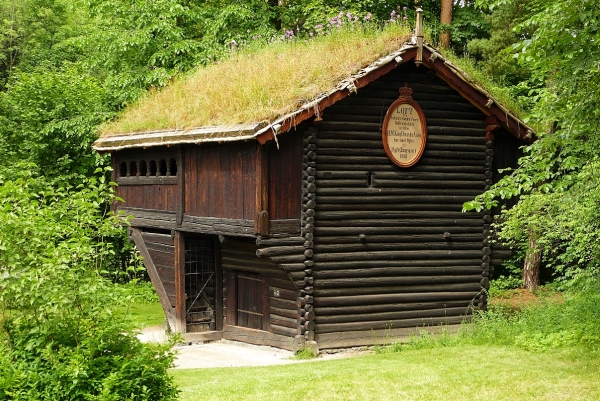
x: 336, y: 224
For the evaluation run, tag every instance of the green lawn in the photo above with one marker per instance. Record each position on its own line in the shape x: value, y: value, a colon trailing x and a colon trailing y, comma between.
x: 463, y: 372
x: 144, y: 314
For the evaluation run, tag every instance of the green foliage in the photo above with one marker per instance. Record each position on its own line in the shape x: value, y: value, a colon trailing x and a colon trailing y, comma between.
x: 48, y: 118
x: 59, y: 338
x: 549, y: 325
x: 305, y: 353
x: 557, y: 181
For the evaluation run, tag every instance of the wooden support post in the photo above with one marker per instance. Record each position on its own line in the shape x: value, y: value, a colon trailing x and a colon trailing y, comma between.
x: 261, y: 220
x: 180, y: 320
x: 180, y: 187
x: 218, y: 286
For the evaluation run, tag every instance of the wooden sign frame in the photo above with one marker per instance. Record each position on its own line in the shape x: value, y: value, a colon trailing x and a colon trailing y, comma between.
x: 405, y: 99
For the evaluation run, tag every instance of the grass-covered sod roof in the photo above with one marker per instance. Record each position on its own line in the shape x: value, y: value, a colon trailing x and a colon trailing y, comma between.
x: 259, y: 83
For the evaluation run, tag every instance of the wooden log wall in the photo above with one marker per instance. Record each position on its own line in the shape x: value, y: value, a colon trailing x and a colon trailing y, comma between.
x: 294, y: 254
x: 241, y: 255
x: 392, y: 248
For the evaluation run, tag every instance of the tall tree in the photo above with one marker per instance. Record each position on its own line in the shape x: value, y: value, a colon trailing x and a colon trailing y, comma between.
x: 556, y: 182
x: 446, y: 19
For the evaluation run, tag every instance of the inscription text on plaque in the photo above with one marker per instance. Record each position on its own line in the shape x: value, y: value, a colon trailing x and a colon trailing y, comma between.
x: 404, y: 132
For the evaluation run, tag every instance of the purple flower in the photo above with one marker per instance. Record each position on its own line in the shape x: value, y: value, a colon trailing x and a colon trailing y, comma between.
x: 319, y: 26
x: 404, y: 8
x: 404, y: 18
x: 310, y: 34
x: 368, y: 17
x: 393, y: 13
x: 349, y: 16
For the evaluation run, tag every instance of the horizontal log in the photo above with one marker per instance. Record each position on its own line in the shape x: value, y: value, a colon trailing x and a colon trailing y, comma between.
x: 345, y: 215
x: 440, y: 185
x: 409, y: 321
x: 390, y: 290
x: 412, y: 246
x: 150, y: 218
x: 371, y: 272
x: 428, y: 195
x: 382, y: 299
x: 324, y: 321
x: 283, y: 321
x: 383, y: 101
x: 395, y: 280
x: 289, y: 313
x: 476, y: 168
x: 376, y: 111
x: 280, y: 250
x: 431, y: 158
x: 357, y: 174
x: 284, y: 226
x: 283, y: 331
x: 405, y: 223
x: 284, y: 283
x: 231, y: 257
x: 352, y: 239
x: 367, y: 230
x: 165, y: 239
x: 288, y: 258
x: 284, y: 293
x: 407, y: 263
x: 292, y: 267
x: 453, y: 207
x: 321, y: 312
x: 279, y: 241
x: 368, y: 197
x: 281, y: 303
x: 215, y: 225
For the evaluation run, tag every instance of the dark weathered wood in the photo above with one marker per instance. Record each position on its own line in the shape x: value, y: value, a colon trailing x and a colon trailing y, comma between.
x: 415, y: 262
x: 280, y: 241
x: 337, y: 283
x: 154, y: 277
x: 323, y: 322
x: 126, y: 181
x: 258, y: 337
x: 180, y: 301
x: 280, y: 250
x: 287, y: 226
x: 395, y: 229
x: 389, y: 335
x: 356, y: 291
x: 150, y: 218
x: 231, y: 317
x: 372, y: 272
x: 353, y: 239
x: 356, y: 310
x: 436, y: 316
x: 261, y: 224
x: 215, y: 225
x: 218, y: 287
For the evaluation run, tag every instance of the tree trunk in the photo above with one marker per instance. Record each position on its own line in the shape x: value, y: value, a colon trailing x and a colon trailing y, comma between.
x: 531, y: 267
x: 446, y: 19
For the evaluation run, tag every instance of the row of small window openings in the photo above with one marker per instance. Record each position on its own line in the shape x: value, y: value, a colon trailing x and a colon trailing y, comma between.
x: 152, y: 169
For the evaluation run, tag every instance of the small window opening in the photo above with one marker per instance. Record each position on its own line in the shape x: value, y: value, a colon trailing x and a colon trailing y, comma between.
x: 152, y: 168
x: 173, y: 167
x: 143, y: 168
x: 133, y: 169
x: 163, y: 168
x: 370, y: 179
x: 123, y: 169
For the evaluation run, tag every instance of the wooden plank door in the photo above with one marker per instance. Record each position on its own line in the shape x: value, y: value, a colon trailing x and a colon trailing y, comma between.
x: 252, y: 301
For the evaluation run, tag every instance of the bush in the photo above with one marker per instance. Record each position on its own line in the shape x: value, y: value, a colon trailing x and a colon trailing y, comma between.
x: 59, y: 338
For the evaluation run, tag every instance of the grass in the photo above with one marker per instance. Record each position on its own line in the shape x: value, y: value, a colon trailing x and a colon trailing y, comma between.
x: 260, y: 82
x: 464, y: 372
x: 144, y: 315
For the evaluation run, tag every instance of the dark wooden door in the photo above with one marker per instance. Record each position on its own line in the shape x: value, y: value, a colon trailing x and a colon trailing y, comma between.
x: 252, y: 301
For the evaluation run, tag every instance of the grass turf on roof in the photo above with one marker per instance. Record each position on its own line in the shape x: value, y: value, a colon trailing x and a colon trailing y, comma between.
x: 260, y: 83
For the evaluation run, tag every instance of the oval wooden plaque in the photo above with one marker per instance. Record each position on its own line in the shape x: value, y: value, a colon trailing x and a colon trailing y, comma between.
x: 404, y: 131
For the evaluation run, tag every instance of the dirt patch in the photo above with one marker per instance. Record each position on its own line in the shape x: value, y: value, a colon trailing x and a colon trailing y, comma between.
x: 519, y: 299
